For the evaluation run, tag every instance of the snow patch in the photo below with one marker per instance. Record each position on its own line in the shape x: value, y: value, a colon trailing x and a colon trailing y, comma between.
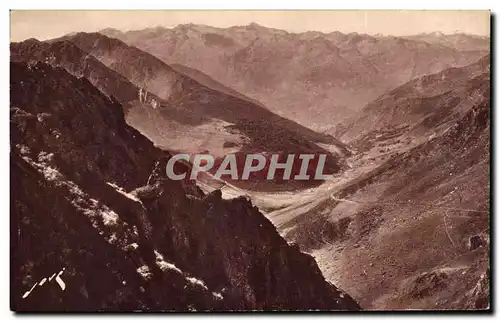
x: 144, y: 272
x: 123, y: 192
x: 132, y: 246
x: 23, y: 149
x: 196, y: 281
x: 90, y: 207
x: 51, y: 174
x: 113, y: 238
x: 74, y: 189
x: 164, y: 265
x: 44, y: 157
x: 109, y: 217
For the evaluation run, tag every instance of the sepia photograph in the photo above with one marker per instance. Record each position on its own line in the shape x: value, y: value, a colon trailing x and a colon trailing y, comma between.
x: 248, y: 161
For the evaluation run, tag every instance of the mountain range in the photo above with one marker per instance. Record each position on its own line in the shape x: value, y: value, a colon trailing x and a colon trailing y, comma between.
x: 316, y: 79
x: 404, y: 122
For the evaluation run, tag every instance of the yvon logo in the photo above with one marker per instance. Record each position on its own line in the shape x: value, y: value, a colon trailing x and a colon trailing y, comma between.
x: 55, y: 276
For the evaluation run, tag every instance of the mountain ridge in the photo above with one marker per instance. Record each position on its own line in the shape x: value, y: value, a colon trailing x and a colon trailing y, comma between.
x: 316, y: 79
x: 416, y: 208
x: 179, y: 113
x: 157, y: 245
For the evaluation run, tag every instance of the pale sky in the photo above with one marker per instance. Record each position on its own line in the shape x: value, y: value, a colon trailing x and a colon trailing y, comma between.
x: 50, y: 24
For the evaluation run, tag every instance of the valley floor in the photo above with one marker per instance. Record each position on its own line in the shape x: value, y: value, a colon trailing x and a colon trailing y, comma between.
x: 389, y: 251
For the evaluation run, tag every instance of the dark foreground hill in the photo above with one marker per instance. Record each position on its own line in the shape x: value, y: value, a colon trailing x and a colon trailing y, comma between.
x: 89, y: 199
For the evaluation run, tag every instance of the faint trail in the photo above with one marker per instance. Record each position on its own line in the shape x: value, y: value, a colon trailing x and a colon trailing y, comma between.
x: 445, y: 214
x: 446, y: 230
x: 409, y: 203
x: 347, y: 201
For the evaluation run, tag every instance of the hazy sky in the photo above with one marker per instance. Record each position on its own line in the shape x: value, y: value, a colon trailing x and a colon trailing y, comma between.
x: 49, y: 24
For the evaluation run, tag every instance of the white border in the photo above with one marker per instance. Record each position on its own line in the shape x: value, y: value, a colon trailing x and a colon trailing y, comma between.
x: 258, y: 4
x: 191, y: 4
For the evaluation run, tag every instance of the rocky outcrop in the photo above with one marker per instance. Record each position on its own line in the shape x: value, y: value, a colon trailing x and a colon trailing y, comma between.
x: 89, y: 199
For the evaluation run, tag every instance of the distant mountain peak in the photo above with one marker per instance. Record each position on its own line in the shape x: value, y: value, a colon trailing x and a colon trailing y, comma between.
x: 31, y: 41
x: 255, y: 25
x: 431, y: 34
x: 437, y: 33
x: 111, y: 30
x: 185, y: 26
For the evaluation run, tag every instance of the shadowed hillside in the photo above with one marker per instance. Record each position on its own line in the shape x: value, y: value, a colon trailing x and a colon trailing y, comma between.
x: 90, y: 198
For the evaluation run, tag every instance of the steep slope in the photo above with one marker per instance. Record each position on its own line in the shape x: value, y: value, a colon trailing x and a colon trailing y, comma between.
x: 220, y: 122
x: 207, y: 81
x: 415, y: 220
x: 86, y: 210
x: 155, y: 76
x: 77, y: 62
x: 420, y: 107
x: 313, y: 78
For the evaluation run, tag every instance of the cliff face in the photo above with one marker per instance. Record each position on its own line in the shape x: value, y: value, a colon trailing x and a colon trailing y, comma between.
x: 89, y: 199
